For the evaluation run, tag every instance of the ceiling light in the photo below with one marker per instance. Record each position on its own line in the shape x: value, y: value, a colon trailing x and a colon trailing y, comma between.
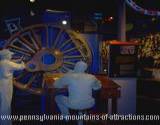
x: 64, y: 22
x: 32, y: 1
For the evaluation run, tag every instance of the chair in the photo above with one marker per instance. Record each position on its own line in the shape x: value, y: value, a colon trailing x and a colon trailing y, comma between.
x: 79, y: 112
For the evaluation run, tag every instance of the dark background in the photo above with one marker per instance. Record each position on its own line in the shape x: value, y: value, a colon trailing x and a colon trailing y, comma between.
x: 82, y: 11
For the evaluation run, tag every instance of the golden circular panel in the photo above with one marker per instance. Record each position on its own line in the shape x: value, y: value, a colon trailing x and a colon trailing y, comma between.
x: 34, y: 41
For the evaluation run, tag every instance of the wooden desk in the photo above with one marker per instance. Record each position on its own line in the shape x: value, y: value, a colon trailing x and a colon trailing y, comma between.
x: 110, y: 90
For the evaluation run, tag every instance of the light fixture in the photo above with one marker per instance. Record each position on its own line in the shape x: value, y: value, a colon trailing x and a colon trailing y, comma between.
x: 64, y: 22
x: 32, y: 1
x: 111, y: 17
x: 105, y: 70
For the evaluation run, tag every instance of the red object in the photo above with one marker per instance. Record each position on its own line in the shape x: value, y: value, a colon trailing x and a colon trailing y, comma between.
x: 123, y: 43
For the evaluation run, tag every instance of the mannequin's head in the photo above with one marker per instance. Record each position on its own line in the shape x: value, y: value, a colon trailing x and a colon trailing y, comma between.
x: 80, y: 67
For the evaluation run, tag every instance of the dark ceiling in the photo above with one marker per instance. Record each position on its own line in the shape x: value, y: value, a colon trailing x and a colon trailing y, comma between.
x: 18, y: 7
x: 10, y: 8
x: 78, y: 8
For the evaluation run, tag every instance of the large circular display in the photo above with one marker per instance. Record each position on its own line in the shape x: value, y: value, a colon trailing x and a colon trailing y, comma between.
x: 137, y: 8
x: 46, y: 48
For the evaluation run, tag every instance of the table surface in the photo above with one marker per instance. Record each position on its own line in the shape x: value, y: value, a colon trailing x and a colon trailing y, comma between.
x: 105, y: 81
x: 150, y: 79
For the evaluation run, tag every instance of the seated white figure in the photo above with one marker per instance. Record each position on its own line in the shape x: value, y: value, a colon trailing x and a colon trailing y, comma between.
x: 7, y: 67
x: 80, y: 86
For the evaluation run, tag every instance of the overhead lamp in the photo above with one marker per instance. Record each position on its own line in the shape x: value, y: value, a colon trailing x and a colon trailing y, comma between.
x: 105, y: 70
x: 64, y: 22
x: 32, y: 1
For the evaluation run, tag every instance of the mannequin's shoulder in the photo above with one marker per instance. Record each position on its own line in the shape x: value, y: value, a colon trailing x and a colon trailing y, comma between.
x: 89, y: 75
x: 4, y: 62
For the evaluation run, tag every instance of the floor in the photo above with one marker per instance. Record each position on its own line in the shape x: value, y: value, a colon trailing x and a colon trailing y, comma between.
x: 148, y: 97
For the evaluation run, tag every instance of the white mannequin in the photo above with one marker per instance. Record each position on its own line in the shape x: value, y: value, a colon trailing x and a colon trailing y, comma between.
x: 80, y: 86
x: 6, y: 83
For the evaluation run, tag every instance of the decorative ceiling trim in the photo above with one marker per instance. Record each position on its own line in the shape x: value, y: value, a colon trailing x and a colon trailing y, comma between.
x: 139, y: 9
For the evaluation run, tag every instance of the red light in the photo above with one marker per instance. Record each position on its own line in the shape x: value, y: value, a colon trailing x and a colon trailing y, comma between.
x: 109, y: 19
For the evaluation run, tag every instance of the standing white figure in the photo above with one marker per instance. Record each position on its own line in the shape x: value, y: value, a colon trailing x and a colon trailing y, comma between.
x: 80, y: 86
x: 6, y: 83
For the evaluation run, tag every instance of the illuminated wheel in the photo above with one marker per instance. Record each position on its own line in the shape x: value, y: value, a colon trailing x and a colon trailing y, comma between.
x: 46, y: 48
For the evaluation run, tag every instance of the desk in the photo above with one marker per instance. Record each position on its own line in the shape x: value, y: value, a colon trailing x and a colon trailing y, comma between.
x: 110, y: 90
